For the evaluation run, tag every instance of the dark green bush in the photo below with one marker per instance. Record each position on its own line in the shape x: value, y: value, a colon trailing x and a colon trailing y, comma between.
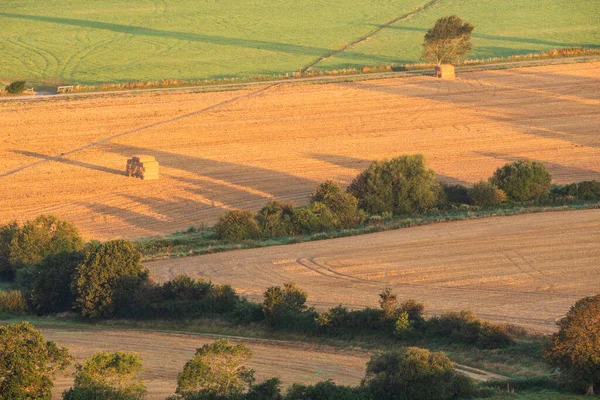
x: 50, y: 287
x: 523, y: 180
x: 279, y: 301
x: 16, y: 87
x: 399, y: 186
x: 275, y: 219
x: 415, y: 374
x: 586, y: 190
x: 339, y: 321
x: 267, y: 390
x: 182, y: 297
x: 316, y: 217
x: 465, y: 328
x: 327, y: 390
x: 342, y: 205
x: 237, y: 225
x: 457, y: 194
x: 108, y: 277
x: 7, y: 233
x: 485, y: 194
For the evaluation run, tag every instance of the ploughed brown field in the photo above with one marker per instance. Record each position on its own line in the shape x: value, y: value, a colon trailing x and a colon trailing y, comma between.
x: 527, y: 269
x: 237, y: 149
x: 165, y: 354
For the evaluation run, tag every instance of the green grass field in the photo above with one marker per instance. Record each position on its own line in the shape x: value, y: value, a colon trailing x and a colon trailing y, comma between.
x: 110, y: 41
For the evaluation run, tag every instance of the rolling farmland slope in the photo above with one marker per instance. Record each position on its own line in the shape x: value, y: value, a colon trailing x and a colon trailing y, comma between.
x: 90, y: 42
x: 225, y: 150
x: 526, y: 269
x: 164, y: 355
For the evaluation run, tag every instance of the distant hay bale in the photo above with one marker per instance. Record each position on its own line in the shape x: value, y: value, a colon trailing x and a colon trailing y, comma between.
x: 445, y: 71
x: 144, y: 167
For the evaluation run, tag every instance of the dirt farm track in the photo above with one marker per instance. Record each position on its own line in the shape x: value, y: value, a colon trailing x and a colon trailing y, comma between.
x: 237, y: 149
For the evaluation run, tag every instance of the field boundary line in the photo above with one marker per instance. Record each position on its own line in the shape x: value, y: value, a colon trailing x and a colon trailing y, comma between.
x: 312, y: 80
x: 136, y: 130
x: 371, y: 33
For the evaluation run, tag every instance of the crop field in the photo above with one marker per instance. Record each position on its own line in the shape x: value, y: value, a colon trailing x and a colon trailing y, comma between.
x: 225, y: 150
x: 90, y: 41
x: 165, y: 354
x: 528, y: 269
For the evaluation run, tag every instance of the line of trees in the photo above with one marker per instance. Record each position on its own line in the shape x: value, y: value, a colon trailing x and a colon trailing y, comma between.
x: 219, y: 371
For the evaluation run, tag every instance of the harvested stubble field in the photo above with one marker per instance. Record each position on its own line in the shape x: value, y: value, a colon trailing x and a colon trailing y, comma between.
x: 225, y: 150
x: 527, y: 269
x: 165, y: 354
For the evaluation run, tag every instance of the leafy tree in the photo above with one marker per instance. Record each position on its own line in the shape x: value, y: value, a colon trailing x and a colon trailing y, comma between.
x: 28, y: 363
x: 217, y: 370
x: 415, y: 374
x: 107, y: 375
x: 448, y: 41
x: 50, y: 290
x: 523, y: 180
x: 486, y: 194
x: 275, y: 219
x: 237, y: 225
x: 279, y: 301
x: 16, y: 87
x: 343, y: 205
x: 110, y: 274
x: 7, y: 233
x: 575, y: 349
x: 401, y: 185
x: 413, y: 309
x: 316, y: 217
x: 41, y: 237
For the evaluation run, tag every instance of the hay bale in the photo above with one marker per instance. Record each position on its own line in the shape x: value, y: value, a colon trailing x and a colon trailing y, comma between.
x: 445, y: 71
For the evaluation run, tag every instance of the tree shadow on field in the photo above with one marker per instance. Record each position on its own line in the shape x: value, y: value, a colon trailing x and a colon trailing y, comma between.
x: 561, y: 173
x: 69, y: 162
x: 538, y: 104
x: 289, y: 48
x: 513, y: 39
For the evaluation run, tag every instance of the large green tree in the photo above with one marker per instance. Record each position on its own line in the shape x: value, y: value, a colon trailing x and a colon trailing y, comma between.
x: 41, y: 237
x: 575, y: 348
x: 448, y: 41
x: 523, y: 180
x: 218, y: 370
x: 107, y: 375
x: 401, y: 185
x: 28, y: 363
x: 109, y: 274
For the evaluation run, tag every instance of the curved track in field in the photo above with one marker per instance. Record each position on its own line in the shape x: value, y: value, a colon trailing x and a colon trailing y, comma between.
x: 527, y: 269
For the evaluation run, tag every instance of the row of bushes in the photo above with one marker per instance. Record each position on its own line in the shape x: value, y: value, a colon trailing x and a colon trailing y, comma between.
x: 403, y: 185
x: 330, y: 208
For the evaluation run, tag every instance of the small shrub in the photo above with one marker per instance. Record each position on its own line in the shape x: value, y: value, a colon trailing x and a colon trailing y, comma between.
x: 279, y: 301
x: 403, y: 326
x: 586, y: 190
x: 12, y: 301
x: 485, y: 194
x: 237, y: 225
x: 275, y: 219
x: 457, y: 194
x: 399, y: 186
x: 344, y: 206
x: 327, y: 390
x: 16, y: 87
x: 413, y: 309
x: 523, y: 180
x: 314, y: 218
